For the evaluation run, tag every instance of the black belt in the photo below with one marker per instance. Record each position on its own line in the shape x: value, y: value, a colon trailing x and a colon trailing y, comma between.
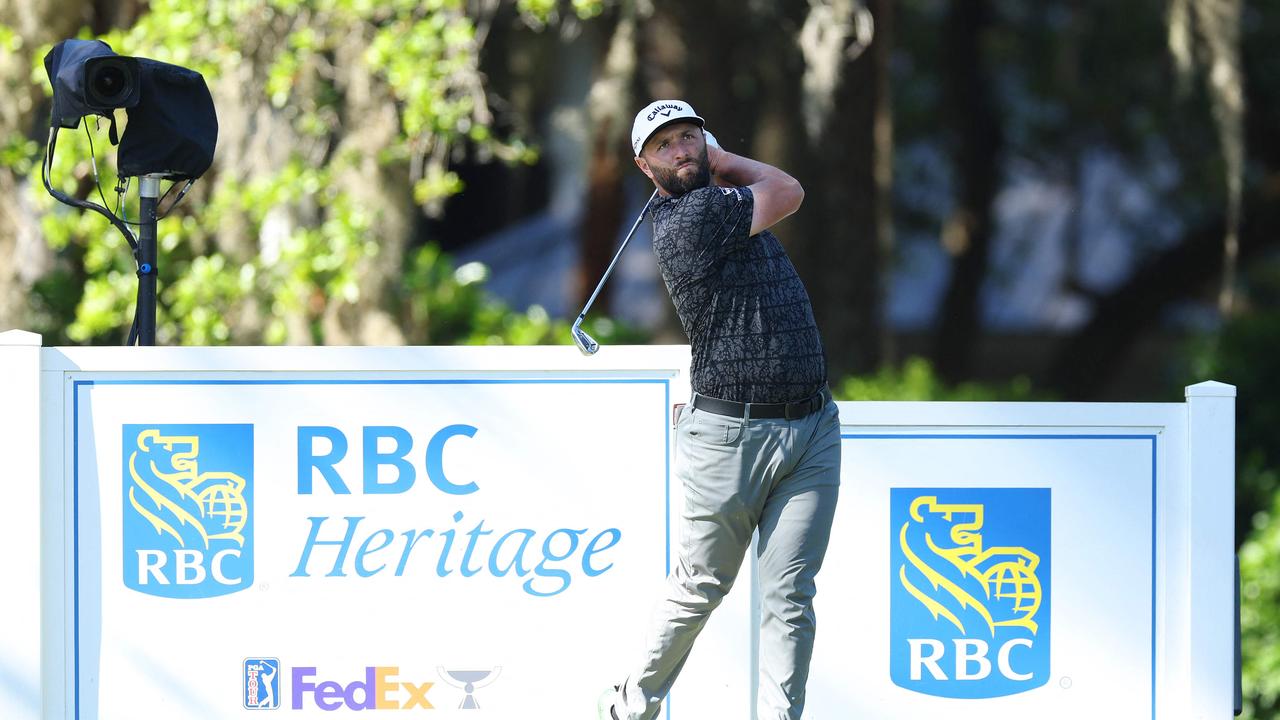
x: 790, y: 410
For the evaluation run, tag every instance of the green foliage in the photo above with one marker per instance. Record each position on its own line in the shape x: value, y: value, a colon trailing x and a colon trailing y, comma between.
x: 449, y: 306
x: 298, y: 60
x: 541, y: 12
x: 916, y: 380
x: 9, y: 40
x: 18, y: 154
x: 1260, y: 615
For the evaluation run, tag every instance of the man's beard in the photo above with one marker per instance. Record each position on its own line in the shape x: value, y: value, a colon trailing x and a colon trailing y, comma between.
x: 675, y: 185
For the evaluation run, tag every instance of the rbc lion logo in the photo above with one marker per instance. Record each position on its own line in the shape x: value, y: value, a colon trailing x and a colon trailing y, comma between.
x: 969, y: 598
x: 188, y: 503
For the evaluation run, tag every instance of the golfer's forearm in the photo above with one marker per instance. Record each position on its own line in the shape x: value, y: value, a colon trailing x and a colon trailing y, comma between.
x: 777, y: 194
x: 743, y: 171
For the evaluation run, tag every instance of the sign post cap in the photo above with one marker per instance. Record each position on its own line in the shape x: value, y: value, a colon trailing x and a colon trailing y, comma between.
x: 1211, y: 388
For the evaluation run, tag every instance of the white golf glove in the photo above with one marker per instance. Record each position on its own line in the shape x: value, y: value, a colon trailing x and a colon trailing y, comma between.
x: 711, y: 139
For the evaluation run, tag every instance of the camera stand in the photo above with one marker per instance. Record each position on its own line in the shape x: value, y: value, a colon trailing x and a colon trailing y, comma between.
x: 171, y: 135
x: 149, y: 197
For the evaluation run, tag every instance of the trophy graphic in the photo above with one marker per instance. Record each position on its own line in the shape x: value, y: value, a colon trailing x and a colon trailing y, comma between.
x: 468, y: 681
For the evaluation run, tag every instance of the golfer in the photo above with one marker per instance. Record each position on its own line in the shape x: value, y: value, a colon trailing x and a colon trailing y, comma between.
x: 758, y: 445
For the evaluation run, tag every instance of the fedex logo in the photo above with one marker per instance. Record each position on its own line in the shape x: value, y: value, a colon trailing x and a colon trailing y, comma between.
x: 379, y: 690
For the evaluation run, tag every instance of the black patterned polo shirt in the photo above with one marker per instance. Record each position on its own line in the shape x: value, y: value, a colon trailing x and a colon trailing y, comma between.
x: 747, y: 315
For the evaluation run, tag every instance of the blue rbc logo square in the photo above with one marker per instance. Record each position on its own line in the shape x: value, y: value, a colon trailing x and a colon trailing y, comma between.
x: 261, y: 683
x: 188, y: 509
x: 970, y: 590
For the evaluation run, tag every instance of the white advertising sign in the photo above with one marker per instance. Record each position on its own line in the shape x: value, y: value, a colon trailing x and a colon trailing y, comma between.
x: 482, y: 533
x: 20, y: 531
x: 360, y: 543
x: 1005, y: 569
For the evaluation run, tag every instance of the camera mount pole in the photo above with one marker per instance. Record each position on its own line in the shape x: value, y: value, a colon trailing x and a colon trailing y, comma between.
x: 149, y: 194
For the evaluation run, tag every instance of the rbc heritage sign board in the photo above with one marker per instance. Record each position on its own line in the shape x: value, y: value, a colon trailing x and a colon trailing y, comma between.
x: 482, y: 533
x: 337, y: 545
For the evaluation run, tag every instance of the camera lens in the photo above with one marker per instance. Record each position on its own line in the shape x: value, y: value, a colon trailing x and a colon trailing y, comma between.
x: 110, y: 82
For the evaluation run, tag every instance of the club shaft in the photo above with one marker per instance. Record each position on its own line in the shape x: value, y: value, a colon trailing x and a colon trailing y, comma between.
x: 609, y: 270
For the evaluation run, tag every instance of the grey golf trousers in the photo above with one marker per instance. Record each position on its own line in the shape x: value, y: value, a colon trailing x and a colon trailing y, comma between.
x: 781, y: 476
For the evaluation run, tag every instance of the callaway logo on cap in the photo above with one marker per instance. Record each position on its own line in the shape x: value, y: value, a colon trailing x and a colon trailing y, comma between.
x: 657, y: 114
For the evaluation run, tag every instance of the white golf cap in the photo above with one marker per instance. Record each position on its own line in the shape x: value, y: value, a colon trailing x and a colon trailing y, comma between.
x: 657, y: 114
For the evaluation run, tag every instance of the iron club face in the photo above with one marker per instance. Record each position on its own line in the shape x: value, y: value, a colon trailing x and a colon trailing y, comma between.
x: 585, y: 342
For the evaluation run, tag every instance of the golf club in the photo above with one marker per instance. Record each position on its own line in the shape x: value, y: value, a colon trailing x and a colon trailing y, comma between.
x: 585, y: 342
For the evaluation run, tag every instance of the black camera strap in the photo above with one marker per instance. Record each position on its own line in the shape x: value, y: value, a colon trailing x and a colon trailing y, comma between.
x: 46, y: 169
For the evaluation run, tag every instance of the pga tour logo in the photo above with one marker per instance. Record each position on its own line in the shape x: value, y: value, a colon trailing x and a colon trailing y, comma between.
x: 188, y: 504
x: 969, y: 599
x: 261, y: 683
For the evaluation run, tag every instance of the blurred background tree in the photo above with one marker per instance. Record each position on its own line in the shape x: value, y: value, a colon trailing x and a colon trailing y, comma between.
x: 339, y: 123
x: 1006, y: 200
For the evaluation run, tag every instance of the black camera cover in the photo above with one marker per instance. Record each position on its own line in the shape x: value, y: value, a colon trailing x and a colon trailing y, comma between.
x: 173, y: 129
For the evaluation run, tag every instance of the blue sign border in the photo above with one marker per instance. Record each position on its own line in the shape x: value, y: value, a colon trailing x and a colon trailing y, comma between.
x: 1154, y: 440
x: 75, y: 452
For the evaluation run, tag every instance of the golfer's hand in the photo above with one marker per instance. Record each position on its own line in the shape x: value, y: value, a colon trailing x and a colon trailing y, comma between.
x: 714, y: 155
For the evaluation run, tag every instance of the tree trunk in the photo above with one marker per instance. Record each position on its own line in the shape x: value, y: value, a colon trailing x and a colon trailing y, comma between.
x: 882, y: 131
x: 256, y: 140
x: 608, y: 109
x: 23, y: 114
x: 977, y: 141
x: 827, y: 128
x: 383, y: 191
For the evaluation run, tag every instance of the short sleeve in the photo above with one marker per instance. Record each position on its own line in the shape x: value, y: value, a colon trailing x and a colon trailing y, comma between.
x: 710, y: 222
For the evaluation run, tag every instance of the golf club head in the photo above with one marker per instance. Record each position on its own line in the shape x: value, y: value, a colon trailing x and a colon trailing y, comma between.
x: 585, y: 343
